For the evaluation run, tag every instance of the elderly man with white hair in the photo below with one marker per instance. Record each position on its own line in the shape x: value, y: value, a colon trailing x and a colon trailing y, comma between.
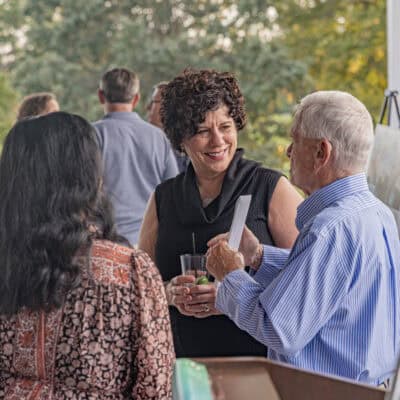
x: 331, y: 303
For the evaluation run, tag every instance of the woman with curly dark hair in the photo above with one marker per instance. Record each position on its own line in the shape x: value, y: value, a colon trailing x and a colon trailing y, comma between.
x: 77, y: 314
x: 202, y: 112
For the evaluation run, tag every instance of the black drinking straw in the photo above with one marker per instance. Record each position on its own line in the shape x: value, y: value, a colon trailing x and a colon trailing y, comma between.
x: 193, y: 243
x: 194, y: 252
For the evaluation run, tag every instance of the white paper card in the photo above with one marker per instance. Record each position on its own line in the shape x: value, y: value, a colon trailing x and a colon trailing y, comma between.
x: 239, y: 219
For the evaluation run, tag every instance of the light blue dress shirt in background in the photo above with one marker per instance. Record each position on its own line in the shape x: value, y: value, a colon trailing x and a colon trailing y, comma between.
x: 330, y: 305
x: 137, y: 156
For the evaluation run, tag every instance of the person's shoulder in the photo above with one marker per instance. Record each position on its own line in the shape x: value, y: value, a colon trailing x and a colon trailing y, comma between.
x: 152, y: 133
x: 348, y: 214
x: 150, y: 128
x: 141, y: 260
x: 170, y: 184
x: 269, y: 172
x: 110, y: 263
x: 329, y: 217
x: 103, y: 126
x: 100, y: 122
x: 267, y: 177
x: 145, y: 269
x: 117, y: 265
x: 115, y: 120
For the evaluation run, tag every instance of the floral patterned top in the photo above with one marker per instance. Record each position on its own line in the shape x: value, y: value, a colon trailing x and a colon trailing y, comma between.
x: 110, y: 340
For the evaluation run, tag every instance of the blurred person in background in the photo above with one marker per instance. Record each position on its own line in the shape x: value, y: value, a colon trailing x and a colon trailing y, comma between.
x: 154, y: 117
x: 81, y: 315
x: 136, y: 155
x: 202, y: 112
x: 154, y: 105
x: 37, y: 104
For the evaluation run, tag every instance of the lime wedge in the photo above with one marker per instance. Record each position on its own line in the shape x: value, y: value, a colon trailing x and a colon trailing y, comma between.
x: 202, y: 280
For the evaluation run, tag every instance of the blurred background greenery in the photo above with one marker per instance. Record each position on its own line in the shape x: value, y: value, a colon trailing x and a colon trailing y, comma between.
x: 280, y: 50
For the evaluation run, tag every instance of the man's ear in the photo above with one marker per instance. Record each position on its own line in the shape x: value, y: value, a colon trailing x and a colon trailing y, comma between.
x: 135, y: 100
x: 101, y: 96
x: 323, y: 153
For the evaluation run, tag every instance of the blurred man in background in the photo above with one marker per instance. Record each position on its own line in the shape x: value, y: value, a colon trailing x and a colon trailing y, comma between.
x: 154, y: 117
x: 136, y: 155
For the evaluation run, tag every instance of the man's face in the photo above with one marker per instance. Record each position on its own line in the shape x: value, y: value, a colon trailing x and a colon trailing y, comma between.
x: 153, y: 109
x: 302, y: 153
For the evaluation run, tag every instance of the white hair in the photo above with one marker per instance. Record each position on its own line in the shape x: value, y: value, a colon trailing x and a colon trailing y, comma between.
x: 343, y: 120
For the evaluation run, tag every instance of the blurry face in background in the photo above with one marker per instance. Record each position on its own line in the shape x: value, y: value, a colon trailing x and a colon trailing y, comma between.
x: 153, y: 109
x: 212, y: 148
x: 52, y: 106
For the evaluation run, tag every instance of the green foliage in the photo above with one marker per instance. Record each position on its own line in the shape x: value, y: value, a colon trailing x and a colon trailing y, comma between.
x: 342, y: 41
x: 8, y: 100
x: 279, y: 50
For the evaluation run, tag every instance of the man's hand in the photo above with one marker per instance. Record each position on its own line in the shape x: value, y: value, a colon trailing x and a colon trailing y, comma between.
x: 250, y: 247
x: 221, y: 260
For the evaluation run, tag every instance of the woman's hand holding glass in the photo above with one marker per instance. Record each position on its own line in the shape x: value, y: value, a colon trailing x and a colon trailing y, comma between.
x: 178, y: 291
x: 191, y: 299
x: 202, y: 300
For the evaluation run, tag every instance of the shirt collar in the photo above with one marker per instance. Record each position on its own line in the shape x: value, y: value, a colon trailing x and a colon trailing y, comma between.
x: 329, y: 194
x: 124, y: 115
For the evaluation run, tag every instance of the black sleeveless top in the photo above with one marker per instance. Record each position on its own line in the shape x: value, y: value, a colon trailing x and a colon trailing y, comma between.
x: 180, y: 212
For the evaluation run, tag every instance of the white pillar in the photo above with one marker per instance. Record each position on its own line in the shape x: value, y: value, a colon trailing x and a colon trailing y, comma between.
x: 393, y: 51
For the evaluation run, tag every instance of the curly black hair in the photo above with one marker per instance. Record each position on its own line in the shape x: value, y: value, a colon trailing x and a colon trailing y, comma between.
x: 50, y: 179
x: 188, y: 97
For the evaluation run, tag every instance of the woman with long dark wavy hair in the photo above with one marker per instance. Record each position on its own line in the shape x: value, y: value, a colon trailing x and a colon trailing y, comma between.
x: 81, y: 316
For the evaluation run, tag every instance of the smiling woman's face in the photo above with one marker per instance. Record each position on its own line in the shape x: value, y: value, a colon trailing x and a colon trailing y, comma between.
x: 212, y: 148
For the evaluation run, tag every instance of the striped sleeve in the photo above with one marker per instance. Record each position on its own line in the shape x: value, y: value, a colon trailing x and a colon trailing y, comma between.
x: 288, y: 313
x: 272, y: 263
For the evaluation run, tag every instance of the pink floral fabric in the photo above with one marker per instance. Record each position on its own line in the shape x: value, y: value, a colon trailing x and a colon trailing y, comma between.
x: 110, y: 340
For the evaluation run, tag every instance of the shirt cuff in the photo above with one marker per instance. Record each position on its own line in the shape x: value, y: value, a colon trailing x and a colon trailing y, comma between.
x: 228, y: 289
x: 272, y: 263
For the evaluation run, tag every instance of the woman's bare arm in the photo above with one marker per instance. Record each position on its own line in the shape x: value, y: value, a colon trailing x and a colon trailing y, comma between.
x: 149, y: 229
x: 282, y: 214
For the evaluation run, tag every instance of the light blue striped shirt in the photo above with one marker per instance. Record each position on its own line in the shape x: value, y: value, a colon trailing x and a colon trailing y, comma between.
x: 331, y: 304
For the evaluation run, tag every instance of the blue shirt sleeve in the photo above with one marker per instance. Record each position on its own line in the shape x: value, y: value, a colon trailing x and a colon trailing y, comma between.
x: 272, y: 263
x: 171, y: 165
x: 288, y: 312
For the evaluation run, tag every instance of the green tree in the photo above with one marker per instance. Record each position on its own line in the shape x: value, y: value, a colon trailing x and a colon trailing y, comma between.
x: 68, y: 45
x: 280, y: 50
x: 8, y: 99
x: 342, y: 41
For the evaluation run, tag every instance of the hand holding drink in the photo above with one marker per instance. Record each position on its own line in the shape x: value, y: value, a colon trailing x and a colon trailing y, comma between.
x: 201, y: 297
x: 196, y: 293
